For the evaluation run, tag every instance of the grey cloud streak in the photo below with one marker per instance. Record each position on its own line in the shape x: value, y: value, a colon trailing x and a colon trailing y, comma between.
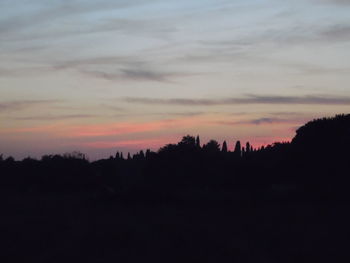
x: 338, y: 32
x: 61, y: 9
x: 337, y: 2
x: 56, y: 117
x: 109, y: 68
x: 23, y: 104
x: 261, y: 121
x: 137, y: 75
x: 250, y: 99
x: 302, y: 34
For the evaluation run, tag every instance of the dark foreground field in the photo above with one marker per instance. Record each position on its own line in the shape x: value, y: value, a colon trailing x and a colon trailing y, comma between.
x: 71, y: 228
x: 288, y: 202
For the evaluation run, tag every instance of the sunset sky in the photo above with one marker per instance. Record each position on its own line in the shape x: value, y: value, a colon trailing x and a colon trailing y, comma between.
x: 101, y: 76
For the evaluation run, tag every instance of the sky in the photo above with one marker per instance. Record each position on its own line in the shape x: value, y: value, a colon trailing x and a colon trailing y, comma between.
x: 125, y: 75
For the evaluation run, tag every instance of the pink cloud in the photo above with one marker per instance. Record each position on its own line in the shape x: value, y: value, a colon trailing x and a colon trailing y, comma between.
x: 109, y: 129
x: 105, y: 129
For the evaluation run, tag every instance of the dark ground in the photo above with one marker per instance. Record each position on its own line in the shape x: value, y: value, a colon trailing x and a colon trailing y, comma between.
x: 288, y: 202
x: 71, y: 228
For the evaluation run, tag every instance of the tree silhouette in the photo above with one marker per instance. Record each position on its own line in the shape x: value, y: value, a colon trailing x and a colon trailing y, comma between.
x: 10, y: 159
x: 188, y: 141
x: 238, y: 149
x: 224, y: 147
x: 148, y: 153
x: 198, y: 142
x: 74, y: 155
x: 212, y: 147
x: 248, y: 147
x: 169, y: 148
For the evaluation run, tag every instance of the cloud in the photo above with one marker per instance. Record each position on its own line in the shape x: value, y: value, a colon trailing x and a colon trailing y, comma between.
x: 57, y: 117
x: 126, y: 61
x: 24, y: 71
x: 266, y: 120
x: 108, y: 68
x: 144, y: 75
x: 261, y: 121
x: 189, y: 114
x: 182, y: 114
x: 113, y: 108
x: 24, y: 104
x: 127, y: 68
x: 250, y: 99
x: 113, y: 129
x: 136, y: 75
x: 247, y: 47
x: 250, y: 50
x: 337, y: 32
x: 44, y: 13
x: 337, y: 2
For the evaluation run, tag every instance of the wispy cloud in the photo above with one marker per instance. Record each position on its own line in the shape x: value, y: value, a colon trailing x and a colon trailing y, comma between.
x: 44, y: 13
x: 103, y: 131
x: 113, y: 129
x: 56, y: 117
x: 248, y: 48
x: 24, y: 104
x: 137, y: 75
x: 113, y: 69
x: 337, y: 32
x: 126, y: 68
x: 262, y: 121
x: 250, y: 99
x: 266, y: 120
x: 337, y: 2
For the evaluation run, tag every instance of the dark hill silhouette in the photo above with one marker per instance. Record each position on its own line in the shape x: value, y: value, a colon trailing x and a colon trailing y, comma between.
x: 327, y: 134
x: 187, y: 202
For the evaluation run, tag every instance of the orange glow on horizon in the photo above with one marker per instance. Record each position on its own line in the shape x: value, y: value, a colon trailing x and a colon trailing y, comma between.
x: 154, y: 144
x: 135, y: 136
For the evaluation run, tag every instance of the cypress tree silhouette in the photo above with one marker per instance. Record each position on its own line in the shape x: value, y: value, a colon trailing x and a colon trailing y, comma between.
x: 198, y: 142
x: 224, y: 147
x: 248, y: 147
x: 117, y: 156
x: 129, y: 156
x: 238, y: 149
